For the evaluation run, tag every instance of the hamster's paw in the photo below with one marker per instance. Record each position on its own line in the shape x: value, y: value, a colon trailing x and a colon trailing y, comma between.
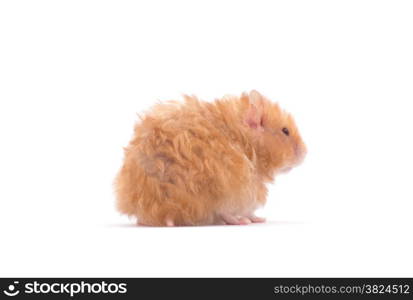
x: 169, y: 222
x: 235, y: 220
x: 255, y: 219
x: 241, y: 220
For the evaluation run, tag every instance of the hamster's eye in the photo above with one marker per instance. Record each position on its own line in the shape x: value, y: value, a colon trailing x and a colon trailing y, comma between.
x: 286, y: 131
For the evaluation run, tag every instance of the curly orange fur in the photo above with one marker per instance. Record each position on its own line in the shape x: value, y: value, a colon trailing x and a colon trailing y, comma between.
x: 193, y: 163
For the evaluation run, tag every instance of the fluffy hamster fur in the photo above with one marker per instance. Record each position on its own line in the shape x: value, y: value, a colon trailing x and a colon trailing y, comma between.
x: 199, y: 163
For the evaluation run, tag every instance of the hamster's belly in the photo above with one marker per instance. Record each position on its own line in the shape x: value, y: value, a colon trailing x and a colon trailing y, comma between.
x: 242, y: 203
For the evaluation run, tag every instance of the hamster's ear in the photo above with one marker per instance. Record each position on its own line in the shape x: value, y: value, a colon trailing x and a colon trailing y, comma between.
x: 254, y: 115
x: 255, y: 96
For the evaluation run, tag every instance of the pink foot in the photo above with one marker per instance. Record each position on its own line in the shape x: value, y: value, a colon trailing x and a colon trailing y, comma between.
x: 255, y: 219
x: 169, y: 223
x: 233, y: 220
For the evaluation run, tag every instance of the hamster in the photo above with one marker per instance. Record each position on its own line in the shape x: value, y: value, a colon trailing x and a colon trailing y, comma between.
x: 204, y: 163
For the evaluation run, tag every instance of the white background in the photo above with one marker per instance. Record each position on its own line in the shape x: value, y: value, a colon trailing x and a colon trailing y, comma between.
x: 73, y: 75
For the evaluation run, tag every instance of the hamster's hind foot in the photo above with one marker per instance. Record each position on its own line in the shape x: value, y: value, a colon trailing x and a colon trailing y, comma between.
x: 169, y: 223
x: 255, y: 219
x: 235, y: 220
x: 241, y: 220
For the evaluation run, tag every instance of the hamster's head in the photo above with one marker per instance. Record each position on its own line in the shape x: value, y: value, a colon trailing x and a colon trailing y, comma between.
x: 278, y: 143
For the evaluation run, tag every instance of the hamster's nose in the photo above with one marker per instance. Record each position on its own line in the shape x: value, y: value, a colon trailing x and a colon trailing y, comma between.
x: 300, y: 152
